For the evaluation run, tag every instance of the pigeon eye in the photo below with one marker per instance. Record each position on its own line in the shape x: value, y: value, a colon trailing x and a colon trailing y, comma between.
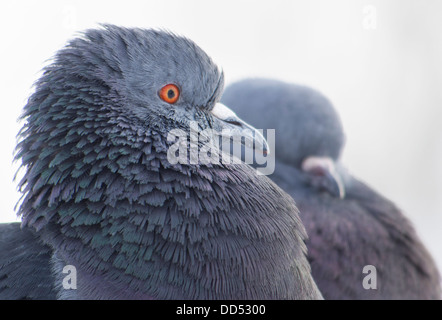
x: 169, y: 93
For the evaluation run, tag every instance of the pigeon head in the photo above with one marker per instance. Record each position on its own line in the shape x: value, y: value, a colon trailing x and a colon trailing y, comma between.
x: 308, y: 131
x: 305, y: 121
x: 158, y: 76
x: 147, y: 79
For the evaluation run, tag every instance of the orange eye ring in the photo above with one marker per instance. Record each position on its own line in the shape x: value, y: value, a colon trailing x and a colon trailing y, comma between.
x: 169, y: 93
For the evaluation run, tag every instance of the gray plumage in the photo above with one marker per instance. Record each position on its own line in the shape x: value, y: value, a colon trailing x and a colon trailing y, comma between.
x: 363, y: 228
x: 99, y: 191
x: 25, y: 268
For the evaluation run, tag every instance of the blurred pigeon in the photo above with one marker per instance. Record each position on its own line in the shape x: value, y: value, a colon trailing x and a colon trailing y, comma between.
x: 360, y: 245
x: 100, y: 189
x: 25, y: 268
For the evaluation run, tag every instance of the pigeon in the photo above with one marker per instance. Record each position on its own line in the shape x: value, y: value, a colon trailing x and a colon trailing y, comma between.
x: 360, y: 245
x: 25, y: 265
x: 118, y: 202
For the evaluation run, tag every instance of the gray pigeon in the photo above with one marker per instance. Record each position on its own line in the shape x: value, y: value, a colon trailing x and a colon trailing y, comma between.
x: 360, y: 244
x: 111, y: 210
x: 25, y: 268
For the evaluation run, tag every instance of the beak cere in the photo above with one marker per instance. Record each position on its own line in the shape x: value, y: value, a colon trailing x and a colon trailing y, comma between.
x: 222, y: 112
x: 233, y: 126
x: 325, y: 173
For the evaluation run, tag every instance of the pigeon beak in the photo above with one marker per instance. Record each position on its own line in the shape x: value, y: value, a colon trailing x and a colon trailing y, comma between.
x: 233, y: 126
x: 324, y: 171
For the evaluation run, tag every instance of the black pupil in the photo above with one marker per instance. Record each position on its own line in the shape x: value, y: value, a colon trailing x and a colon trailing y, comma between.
x: 171, y: 94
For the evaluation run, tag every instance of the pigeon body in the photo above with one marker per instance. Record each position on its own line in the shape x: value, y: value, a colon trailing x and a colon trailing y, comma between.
x: 349, y: 225
x: 25, y: 265
x: 100, y: 191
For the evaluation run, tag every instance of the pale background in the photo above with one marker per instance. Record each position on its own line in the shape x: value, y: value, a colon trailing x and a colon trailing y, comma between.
x: 380, y: 62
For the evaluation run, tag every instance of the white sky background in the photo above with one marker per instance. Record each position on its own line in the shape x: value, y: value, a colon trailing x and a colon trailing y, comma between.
x: 379, y: 62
